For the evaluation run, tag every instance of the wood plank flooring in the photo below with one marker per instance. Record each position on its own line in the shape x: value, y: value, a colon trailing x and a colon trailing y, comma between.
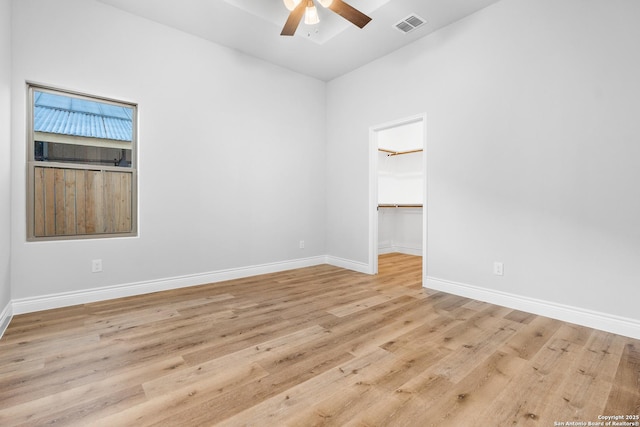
x: 308, y: 347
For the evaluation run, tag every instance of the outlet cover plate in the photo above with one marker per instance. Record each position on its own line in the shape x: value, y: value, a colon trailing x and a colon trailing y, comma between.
x: 498, y: 268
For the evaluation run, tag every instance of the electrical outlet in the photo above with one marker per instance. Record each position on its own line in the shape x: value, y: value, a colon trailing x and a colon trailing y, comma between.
x: 498, y: 268
x: 301, y: 244
x: 96, y: 266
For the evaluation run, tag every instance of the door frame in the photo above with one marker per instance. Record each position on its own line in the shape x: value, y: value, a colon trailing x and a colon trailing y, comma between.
x: 373, y: 189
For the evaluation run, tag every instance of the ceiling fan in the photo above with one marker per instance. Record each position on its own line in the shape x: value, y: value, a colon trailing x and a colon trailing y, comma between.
x: 308, y: 9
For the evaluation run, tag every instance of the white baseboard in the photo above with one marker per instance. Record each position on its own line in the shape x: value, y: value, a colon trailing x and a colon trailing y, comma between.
x: 399, y: 249
x: 47, y: 302
x: 603, y: 321
x: 386, y: 249
x: 360, y: 267
x: 593, y: 319
x: 408, y: 251
x: 5, y: 318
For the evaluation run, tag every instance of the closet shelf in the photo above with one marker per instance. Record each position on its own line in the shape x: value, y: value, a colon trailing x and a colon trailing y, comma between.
x: 403, y: 175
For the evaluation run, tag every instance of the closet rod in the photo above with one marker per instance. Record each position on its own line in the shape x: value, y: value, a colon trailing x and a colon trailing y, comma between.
x: 397, y: 153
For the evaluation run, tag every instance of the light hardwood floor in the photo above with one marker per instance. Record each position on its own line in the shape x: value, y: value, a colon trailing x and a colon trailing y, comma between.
x: 314, y: 346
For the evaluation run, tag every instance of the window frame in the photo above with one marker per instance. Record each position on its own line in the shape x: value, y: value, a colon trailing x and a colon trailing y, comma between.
x: 32, y: 164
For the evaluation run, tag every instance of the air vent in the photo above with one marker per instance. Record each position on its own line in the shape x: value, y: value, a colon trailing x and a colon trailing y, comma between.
x: 410, y: 23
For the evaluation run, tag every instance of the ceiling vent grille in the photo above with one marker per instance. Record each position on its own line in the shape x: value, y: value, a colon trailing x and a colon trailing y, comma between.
x: 410, y: 23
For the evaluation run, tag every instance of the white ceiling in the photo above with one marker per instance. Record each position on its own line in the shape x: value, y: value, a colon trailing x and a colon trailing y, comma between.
x: 324, y: 51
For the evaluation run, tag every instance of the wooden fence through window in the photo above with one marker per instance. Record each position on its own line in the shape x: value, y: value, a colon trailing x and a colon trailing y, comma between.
x: 79, y: 202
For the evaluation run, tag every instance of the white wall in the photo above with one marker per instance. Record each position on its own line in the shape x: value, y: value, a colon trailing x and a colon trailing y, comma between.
x: 533, y: 144
x: 400, y: 230
x: 400, y: 179
x: 5, y: 165
x: 231, y: 169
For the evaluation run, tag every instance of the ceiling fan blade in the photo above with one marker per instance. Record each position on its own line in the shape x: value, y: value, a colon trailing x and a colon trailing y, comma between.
x: 349, y: 13
x: 294, y: 19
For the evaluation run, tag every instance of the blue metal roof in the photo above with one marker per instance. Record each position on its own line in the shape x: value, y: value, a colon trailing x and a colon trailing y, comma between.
x: 79, y: 117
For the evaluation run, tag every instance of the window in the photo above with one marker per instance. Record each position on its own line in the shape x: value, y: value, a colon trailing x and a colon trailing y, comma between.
x: 82, y: 177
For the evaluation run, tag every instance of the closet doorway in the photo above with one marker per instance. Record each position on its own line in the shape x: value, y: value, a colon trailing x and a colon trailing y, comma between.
x: 398, y: 190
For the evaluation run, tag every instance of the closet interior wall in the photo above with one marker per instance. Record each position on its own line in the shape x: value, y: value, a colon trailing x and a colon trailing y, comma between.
x: 400, y: 184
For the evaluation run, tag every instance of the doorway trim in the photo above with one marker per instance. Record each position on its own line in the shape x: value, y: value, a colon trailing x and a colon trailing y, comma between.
x: 373, y: 189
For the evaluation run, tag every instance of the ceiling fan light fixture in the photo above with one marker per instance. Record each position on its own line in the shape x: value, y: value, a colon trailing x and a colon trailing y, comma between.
x: 291, y: 4
x: 310, y: 12
x: 311, y: 15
